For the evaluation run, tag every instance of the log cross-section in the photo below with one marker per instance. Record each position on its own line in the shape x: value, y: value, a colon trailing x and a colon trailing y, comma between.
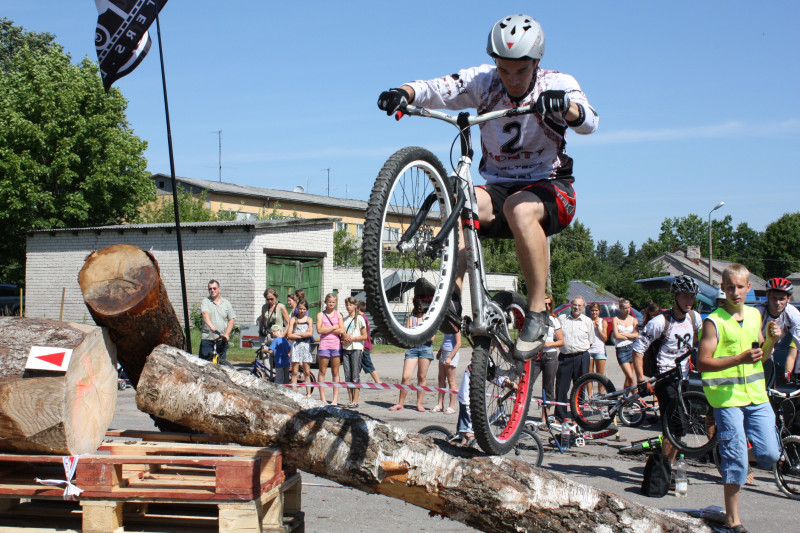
x: 489, y: 493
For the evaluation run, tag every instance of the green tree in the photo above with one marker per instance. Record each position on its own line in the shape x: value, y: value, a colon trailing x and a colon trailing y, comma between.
x: 346, y: 249
x: 782, y: 246
x: 571, y: 258
x: 190, y: 208
x: 67, y: 155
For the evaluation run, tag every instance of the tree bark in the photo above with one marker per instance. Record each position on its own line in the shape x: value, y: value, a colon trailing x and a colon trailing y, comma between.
x: 123, y: 290
x: 44, y: 411
x: 489, y: 493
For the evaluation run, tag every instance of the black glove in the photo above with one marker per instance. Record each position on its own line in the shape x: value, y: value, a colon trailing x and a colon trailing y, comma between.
x: 552, y: 102
x: 645, y: 389
x: 391, y: 100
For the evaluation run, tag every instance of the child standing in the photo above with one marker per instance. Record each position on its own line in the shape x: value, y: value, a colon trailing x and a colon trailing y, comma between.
x: 448, y: 361
x: 300, y: 331
x: 366, y: 357
x: 329, y: 327
x: 279, y: 349
x: 355, y: 332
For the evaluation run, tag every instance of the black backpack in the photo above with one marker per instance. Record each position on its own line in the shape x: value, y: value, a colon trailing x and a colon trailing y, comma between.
x: 657, y: 474
x: 650, y: 355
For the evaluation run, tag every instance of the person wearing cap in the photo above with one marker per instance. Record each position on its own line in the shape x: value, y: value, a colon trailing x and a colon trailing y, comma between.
x: 528, y: 194
x: 787, y: 317
x: 280, y: 348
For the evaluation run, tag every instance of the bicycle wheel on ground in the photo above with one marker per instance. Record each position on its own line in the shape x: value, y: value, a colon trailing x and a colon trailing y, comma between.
x: 592, y: 402
x: 787, y: 469
x: 529, y: 448
x: 691, y: 431
x: 410, y: 201
x: 499, y: 391
x: 632, y: 413
x: 437, y: 432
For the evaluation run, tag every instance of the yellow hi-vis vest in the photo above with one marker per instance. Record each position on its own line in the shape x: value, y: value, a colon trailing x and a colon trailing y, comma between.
x: 742, y: 384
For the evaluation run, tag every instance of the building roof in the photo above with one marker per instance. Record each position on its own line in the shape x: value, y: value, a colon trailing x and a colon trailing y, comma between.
x: 590, y: 292
x: 169, y: 226
x: 221, y: 187
x: 677, y: 263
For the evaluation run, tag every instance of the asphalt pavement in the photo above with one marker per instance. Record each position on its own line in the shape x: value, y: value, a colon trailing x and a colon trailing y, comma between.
x: 330, y: 507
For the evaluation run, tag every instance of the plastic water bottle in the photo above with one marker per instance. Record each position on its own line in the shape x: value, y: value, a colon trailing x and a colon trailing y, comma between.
x: 565, y: 434
x: 681, y: 479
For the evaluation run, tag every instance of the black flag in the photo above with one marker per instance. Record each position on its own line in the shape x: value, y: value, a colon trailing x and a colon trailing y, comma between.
x: 121, y: 37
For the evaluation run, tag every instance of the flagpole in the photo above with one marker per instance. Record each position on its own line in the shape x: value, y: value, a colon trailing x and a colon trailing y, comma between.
x: 187, y: 324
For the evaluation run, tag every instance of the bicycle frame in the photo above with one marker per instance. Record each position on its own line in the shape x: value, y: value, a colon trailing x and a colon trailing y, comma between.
x: 487, y: 316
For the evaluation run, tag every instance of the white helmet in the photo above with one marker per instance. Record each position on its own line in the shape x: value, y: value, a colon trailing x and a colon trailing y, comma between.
x: 516, y: 37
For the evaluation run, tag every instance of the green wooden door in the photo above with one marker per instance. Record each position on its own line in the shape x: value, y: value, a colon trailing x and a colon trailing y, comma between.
x: 287, y: 274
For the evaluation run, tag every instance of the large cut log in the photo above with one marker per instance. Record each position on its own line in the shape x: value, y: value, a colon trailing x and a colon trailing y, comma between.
x: 123, y: 290
x: 46, y: 411
x: 489, y: 493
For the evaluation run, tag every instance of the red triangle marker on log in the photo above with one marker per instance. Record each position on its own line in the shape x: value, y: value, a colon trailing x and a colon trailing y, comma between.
x: 53, y: 358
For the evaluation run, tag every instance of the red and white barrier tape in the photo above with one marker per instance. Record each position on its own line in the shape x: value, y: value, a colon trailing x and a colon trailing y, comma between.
x: 390, y: 386
x: 70, y: 491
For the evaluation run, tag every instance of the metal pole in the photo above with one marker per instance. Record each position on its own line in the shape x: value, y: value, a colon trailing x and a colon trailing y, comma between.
x: 710, y: 254
x: 187, y: 324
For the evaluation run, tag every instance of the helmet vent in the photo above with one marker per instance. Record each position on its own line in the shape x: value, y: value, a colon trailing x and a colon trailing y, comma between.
x: 503, y: 25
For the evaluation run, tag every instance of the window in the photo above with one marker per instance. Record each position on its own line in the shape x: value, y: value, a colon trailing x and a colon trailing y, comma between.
x: 341, y: 226
x: 391, y: 234
x: 360, y: 230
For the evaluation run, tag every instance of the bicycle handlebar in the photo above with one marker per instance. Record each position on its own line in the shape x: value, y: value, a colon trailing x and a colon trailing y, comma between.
x: 413, y: 110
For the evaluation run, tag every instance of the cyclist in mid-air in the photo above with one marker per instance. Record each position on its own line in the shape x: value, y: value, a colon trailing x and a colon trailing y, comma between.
x: 528, y: 193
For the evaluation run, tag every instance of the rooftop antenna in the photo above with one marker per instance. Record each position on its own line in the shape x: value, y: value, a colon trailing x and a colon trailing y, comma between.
x: 329, y: 181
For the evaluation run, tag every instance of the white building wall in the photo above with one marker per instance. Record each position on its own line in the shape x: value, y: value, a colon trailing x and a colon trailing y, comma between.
x: 233, y: 256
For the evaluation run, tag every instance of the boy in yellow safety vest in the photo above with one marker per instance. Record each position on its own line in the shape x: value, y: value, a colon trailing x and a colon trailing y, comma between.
x: 730, y: 359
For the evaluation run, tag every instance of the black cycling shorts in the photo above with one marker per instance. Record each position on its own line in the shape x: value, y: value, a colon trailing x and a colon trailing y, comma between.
x: 558, y: 198
x: 667, y: 394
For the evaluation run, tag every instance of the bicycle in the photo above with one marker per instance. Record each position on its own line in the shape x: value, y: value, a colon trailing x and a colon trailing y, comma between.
x: 215, y: 355
x: 691, y: 411
x: 787, y: 469
x: 410, y: 233
x: 528, y: 447
x: 577, y: 435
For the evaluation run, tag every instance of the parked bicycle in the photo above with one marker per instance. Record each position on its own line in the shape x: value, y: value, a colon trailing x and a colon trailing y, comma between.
x: 787, y: 469
x: 595, y: 402
x: 410, y: 232
x: 577, y: 435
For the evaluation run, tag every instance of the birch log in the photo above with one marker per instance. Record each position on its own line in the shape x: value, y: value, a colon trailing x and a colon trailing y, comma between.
x: 489, y: 493
x: 122, y: 288
x: 43, y: 411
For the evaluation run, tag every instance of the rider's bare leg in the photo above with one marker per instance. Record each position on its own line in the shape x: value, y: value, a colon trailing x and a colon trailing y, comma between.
x: 486, y: 218
x: 525, y: 214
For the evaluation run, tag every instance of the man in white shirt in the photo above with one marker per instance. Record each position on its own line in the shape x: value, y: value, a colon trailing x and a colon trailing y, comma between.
x: 573, y: 361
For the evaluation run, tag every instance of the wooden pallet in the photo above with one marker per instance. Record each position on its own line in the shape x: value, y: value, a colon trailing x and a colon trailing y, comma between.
x: 248, y: 486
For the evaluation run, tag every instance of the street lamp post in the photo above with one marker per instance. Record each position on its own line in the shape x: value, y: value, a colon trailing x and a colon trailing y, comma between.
x: 709, y: 240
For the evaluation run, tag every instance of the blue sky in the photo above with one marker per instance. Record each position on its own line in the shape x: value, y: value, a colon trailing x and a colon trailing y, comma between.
x: 696, y: 99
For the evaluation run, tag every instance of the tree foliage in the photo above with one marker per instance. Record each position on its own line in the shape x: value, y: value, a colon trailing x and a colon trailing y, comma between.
x: 346, y: 249
x: 190, y: 209
x: 67, y: 155
x: 782, y: 246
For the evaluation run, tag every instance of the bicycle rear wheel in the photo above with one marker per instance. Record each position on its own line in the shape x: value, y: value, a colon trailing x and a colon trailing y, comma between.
x: 529, y: 448
x: 632, y: 413
x: 592, y: 402
x: 412, y: 190
x: 499, y: 412
x: 787, y: 469
x: 696, y: 423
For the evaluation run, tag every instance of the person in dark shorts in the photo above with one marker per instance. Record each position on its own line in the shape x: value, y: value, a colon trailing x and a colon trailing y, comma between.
x: 528, y: 193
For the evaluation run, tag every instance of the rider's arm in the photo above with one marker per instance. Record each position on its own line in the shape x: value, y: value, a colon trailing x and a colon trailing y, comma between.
x: 207, y: 322
x: 229, y: 329
x: 601, y: 330
x: 290, y: 330
x: 791, y: 357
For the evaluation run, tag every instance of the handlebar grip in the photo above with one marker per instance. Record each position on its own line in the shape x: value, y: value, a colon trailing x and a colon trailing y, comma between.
x: 399, y: 115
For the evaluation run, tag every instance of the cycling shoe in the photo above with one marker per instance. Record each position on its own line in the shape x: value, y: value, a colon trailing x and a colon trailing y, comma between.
x: 532, y: 337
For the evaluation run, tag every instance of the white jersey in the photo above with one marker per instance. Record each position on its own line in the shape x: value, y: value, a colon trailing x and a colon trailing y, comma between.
x: 519, y: 149
x: 679, y: 339
x: 789, y: 322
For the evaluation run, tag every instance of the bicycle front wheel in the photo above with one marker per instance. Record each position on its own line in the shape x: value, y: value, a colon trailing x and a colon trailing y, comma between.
x: 437, y: 432
x: 593, y: 401
x: 690, y: 430
x: 529, y: 448
x: 410, y: 201
x: 787, y: 469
